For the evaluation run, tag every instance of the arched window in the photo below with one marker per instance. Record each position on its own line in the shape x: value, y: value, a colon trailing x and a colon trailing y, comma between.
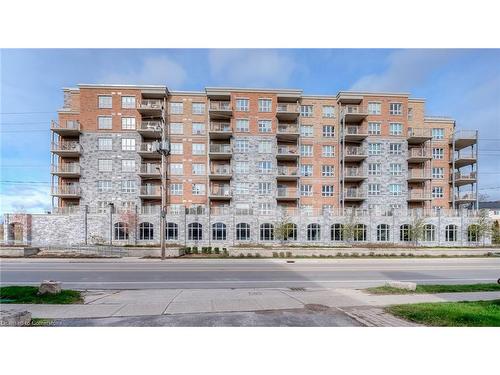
x: 266, y: 232
x: 289, y: 232
x: 218, y: 231
x: 405, y: 233
x: 429, y: 232
x: 121, y: 231
x: 242, y: 232
x: 172, y: 231
x: 383, y: 233
x: 337, y: 232
x: 473, y: 233
x: 359, y: 232
x: 195, y: 232
x: 450, y: 233
x: 313, y: 232
x: 145, y: 231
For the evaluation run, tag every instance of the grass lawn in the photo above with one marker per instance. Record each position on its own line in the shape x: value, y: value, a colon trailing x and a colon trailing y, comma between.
x: 451, y: 314
x: 28, y: 294
x: 437, y: 289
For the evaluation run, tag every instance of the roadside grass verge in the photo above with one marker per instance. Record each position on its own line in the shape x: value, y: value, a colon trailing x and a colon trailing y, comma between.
x: 28, y: 294
x: 437, y: 288
x: 451, y: 314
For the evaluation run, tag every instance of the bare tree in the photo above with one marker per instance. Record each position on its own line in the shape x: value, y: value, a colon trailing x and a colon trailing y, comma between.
x: 283, y: 228
x: 417, y: 228
x: 349, y: 227
x: 482, y: 228
x: 129, y: 218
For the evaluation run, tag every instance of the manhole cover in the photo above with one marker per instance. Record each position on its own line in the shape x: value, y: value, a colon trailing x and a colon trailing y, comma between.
x: 297, y: 289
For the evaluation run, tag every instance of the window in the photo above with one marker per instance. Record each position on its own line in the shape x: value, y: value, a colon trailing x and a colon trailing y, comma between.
x: 242, y: 167
x: 438, y: 153
x: 105, y: 165
x: 396, y: 169
x: 313, y: 232
x: 104, y: 144
x: 198, y: 189
x: 438, y: 172
x: 176, y: 148
x: 198, y: 128
x: 395, y: 149
x: 306, y: 170
x: 438, y: 133
x: 395, y: 128
x: 198, y: 169
x: 374, y: 169
x: 198, y: 108
x: 195, y: 232
x: 265, y: 147
x: 328, y: 131
x: 327, y: 170
x: 473, y: 233
x: 359, y: 232
x: 265, y: 126
x: 328, y: 111
x: 374, y: 148
x: 266, y: 232
x: 121, y: 231
x: 328, y: 151
x: 128, y: 101
x: 429, y: 232
x: 128, y: 144
x: 264, y: 188
x: 306, y: 150
x: 105, y: 101
x: 374, y: 128
x: 327, y: 209
x: 265, y: 166
x: 128, y: 123
x: 172, y: 231
x: 405, y: 233
x: 306, y: 190
x: 242, y: 105
x: 373, y: 189
x: 176, y: 128
x: 104, y: 186
x: 219, y: 232
x: 450, y: 233
x: 395, y: 109
x: 265, y: 105
x: 176, y: 108
x: 374, y: 108
x: 395, y: 189
x: 306, y: 110
x: 289, y: 232
x: 327, y: 190
x: 383, y: 232
x: 242, y: 188
x: 307, y: 209
x: 437, y: 192
x: 128, y: 186
x: 264, y: 209
x: 242, y: 232
x: 241, y: 145
x: 242, y: 125
x: 128, y: 165
x: 175, y: 189
x: 176, y: 169
x: 146, y: 231
x: 105, y: 122
x: 306, y: 130
x: 337, y: 232
x: 198, y: 149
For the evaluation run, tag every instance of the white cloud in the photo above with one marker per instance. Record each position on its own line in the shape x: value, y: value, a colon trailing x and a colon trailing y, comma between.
x: 254, y: 68
x: 154, y: 70
x: 30, y: 199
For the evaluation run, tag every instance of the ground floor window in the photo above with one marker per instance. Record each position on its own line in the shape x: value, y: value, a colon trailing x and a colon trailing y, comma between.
x: 266, y: 232
x: 242, y: 232
x: 121, y: 231
x: 383, y: 233
x: 451, y: 233
x: 473, y: 233
x: 289, y: 232
x: 313, y: 232
x: 429, y: 232
x: 359, y: 232
x: 172, y: 231
x: 195, y: 232
x: 405, y: 233
x: 219, y: 232
x: 337, y: 232
x: 146, y: 231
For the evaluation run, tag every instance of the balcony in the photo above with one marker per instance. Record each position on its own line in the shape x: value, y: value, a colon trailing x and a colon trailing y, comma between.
x: 150, y: 170
x: 66, y: 128
x: 355, y: 134
x: 418, y: 135
x: 66, y: 191
x: 69, y: 170
x: 418, y: 155
x: 354, y: 195
x: 150, y: 192
x: 220, y: 130
x: 220, y: 109
x: 150, y: 107
x: 220, y: 151
x: 287, y: 132
x: 355, y: 113
x: 150, y: 128
x: 220, y: 192
x: 147, y: 151
x: 463, y: 159
x: 418, y: 175
x: 418, y: 196
x: 465, y: 198
x: 287, y: 193
x: 464, y: 178
x: 354, y: 174
x: 66, y: 148
x: 464, y: 138
x: 220, y: 172
x: 287, y: 111
x: 355, y: 154
x: 287, y: 153
x: 287, y: 173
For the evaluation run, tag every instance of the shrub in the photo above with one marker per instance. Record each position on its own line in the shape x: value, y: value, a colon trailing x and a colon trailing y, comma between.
x: 371, y: 253
x: 275, y: 254
x: 216, y: 250
x: 241, y: 255
x: 355, y: 254
x: 282, y: 254
x: 339, y: 254
x: 249, y: 255
x: 195, y: 249
x: 288, y: 254
x: 257, y: 255
x: 225, y: 252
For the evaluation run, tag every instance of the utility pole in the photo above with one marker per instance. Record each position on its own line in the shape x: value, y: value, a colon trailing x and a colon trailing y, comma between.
x: 164, y: 149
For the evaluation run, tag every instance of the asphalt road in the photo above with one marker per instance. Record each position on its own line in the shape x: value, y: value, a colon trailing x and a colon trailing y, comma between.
x: 245, y: 273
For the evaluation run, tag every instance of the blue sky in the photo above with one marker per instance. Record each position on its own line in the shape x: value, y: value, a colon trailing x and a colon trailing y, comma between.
x: 463, y: 84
